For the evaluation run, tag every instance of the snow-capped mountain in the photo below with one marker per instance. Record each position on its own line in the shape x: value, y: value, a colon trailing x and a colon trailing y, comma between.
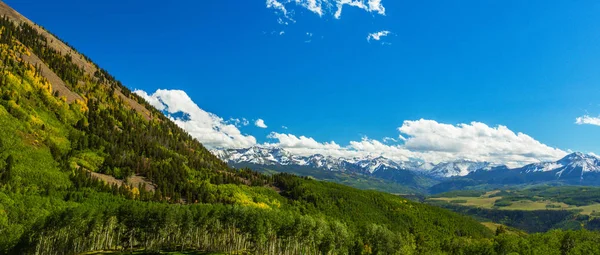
x: 325, y: 162
x: 459, y: 168
x: 574, y: 169
x: 575, y: 163
x: 366, y: 165
x: 259, y: 155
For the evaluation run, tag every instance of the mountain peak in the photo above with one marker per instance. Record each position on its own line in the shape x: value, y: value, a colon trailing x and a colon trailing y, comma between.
x: 578, y: 156
x: 461, y: 167
x: 568, y: 164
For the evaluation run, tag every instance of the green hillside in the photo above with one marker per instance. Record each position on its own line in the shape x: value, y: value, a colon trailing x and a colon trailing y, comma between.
x: 85, y: 166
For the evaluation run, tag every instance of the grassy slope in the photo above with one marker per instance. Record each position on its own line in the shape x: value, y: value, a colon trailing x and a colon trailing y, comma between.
x: 519, y: 201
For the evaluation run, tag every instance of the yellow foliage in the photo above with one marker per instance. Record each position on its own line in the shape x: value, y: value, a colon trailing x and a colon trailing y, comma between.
x: 83, y: 106
x: 19, y: 47
x: 11, y: 78
x: 36, y: 120
x: 276, y: 203
x: 12, y: 104
x: 243, y: 199
x: 367, y: 249
x: 136, y: 192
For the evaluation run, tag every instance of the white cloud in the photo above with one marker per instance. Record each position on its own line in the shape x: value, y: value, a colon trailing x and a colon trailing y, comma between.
x: 322, y: 7
x: 210, y: 129
x: 306, y: 146
x: 389, y: 139
x: 238, y: 122
x: 284, y: 127
x: 260, y: 123
x: 279, y: 7
x: 373, y: 6
x: 314, y: 6
x: 401, y: 138
x: 234, y: 121
x: 588, y: 120
x: 378, y: 35
x: 376, y: 6
x: 435, y: 142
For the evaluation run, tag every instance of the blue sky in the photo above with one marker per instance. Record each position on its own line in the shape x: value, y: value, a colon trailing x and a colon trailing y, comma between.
x: 531, y: 66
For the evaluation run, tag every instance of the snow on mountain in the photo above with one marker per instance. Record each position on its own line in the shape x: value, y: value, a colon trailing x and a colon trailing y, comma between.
x: 571, y: 163
x: 259, y: 155
x: 366, y: 165
x: 575, y: 164
x: 542, y: 167
x: 325, y: 162
x: 371, y: 165
x: 458, y: 168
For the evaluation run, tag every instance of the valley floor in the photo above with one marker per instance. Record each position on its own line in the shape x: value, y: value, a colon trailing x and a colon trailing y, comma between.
x: 488, y: 201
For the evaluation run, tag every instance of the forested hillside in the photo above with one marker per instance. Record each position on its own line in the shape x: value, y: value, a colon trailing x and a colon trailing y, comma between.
x: 85, y: 165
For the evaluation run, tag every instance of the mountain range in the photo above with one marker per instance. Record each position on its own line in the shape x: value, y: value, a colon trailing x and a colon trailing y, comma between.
x: 576, y: 168
x: 364, y: 165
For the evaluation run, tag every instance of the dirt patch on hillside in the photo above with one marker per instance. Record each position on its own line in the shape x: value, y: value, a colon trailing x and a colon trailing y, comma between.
x: 134, y: 181
x: 57, y: 83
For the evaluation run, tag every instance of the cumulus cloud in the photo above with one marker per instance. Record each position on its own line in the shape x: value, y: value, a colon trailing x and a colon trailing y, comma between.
x: 436, y: 142
x: 210, y: 129
x: 378, y: 35
x: 322, y: 7
x: 306, y: 146
x: 284, y: 127
x: 260, y: 123
x: 588, y: 120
